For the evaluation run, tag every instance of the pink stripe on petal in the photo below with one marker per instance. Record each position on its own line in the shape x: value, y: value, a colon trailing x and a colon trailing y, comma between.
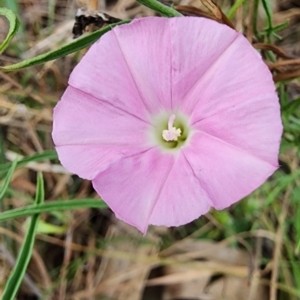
x: 194, y: 50
x: 238, y: 74
x: 132, y: 186
x: 253, y: 126
x: 182, y: 198
x: 152, y: 188
x: 82, y: 119
x: 124, y: 71
x: 87, y: 161
x: 104, y: 74
x: 226, y: 173
x: 148, y: 59
x: 90, y: 134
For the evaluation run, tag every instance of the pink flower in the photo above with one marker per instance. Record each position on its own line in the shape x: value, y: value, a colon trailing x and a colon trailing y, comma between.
x: 169, y: 117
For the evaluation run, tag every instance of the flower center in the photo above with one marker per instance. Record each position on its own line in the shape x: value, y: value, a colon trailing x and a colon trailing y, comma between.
x: 172, y: 133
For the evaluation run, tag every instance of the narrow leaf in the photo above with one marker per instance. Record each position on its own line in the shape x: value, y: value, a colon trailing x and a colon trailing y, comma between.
x: 281, y: 26
x: 268, y: 9
x: 234, y: 8
x: 254, y: 17
x: 49, y: 154
x: 52, y: 206
x: 280, y: 186
x: 16, y: 277
x: 40, y: 191
x: 74, y: 46
x: 291, y: 106
x: 12, y: 5
x: 13, y: 26
x: 8, y: 179
x: 160, y: 8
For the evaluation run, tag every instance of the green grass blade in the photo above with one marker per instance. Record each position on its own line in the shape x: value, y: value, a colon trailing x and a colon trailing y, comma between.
x: 12, y: 5
x: 281, y: 184
x: 74, y: 46
x: 13, y: 26
x: 2, y: 147
x: 49, y: 154
x: 281, y: 26
x: 294, y: 262
x: 7, y: 179
x: 234, y: 8
x: 40, y: 191
x: 52, y: 206
x: 291, y: 106
x: 268, y: 9
x: 160, y: 8
x: 254, y: 17
x: 16, y: 277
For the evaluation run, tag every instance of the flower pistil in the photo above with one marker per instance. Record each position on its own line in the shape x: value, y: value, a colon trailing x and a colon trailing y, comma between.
x: 172, y: 133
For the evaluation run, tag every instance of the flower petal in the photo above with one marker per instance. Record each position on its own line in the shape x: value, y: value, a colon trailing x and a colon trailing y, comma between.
x: 152, y: 188
x: 182, y: 198
x: 253, y: 125
x: 237, y: 75
x: 86, y: 138
x: 123, y: 71
x: 226, y: 173
x: 194, y: 50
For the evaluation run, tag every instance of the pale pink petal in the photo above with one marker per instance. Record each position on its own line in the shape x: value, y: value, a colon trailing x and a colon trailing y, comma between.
x: 225, y: 172
x: 196, y: 44
x: 90, y: 134
x: 85, y: 161
x: 152, y: 188
x: 182, y: 197
x: 253, y: 125
x: 237, y: 75
x: 129, y: 73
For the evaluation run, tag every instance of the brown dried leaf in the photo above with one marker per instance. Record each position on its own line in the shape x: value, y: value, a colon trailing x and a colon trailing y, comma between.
x: 287, y: 75
x: 217, y: 11
x: 277, y: 50
x: 283, y: 63
x: 194, y: 11
x: 123, y: 278
x: 190, y: 278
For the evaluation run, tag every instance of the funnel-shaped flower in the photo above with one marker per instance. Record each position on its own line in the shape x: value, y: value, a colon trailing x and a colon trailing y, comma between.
x: 169, y: 117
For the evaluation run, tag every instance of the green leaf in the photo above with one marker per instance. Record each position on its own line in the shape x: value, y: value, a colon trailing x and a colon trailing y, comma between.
x: 268, y: 9
x: 160, y: 8
x: 291, y: 106
x: 13, y: 26
x: 40, y: 191
x: 8, y: 179
x: 49, y: 154
x: 269, y: 31
x: 74, y: 46
x: 234, y: 8
x: 18, y: 272
x: 281, y: 26
x: 281, y: 184
x: 52, y: 206
x: 47, y: 228
x: 2, y: 147
x: 12, y: 5
x: 254, y: 17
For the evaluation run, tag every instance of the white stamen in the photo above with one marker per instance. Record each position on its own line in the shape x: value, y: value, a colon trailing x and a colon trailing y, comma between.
x: 172, y: 133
